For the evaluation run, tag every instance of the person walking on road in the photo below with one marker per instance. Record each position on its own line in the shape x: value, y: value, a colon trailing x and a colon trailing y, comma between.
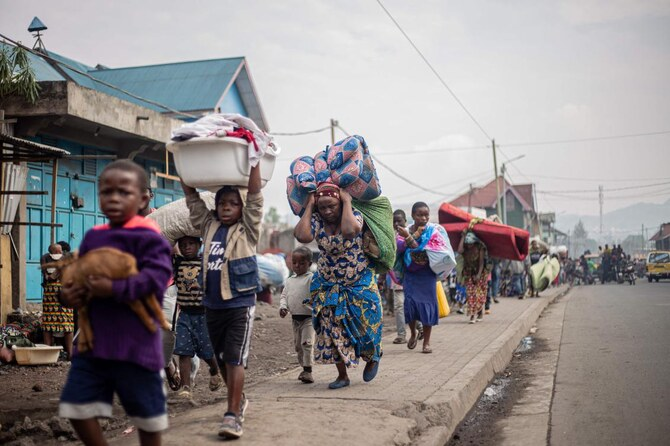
x: 419, y: 280
x: 345, y: 300
x: 400, y: 221
x: 475, y: 273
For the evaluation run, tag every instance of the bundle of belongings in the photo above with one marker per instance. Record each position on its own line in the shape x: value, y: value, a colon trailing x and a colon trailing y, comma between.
x: 174, y: 221
x: 348, y: 165
x: 231, y: 125
x: 15, y: 334
x: 272, y: 270
x: 501, y: 241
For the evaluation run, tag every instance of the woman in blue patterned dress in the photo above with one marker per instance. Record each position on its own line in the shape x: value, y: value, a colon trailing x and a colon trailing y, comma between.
x: 347, y: 312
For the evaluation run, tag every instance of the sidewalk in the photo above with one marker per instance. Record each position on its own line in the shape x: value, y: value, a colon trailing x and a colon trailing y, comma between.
x: 415, y: 399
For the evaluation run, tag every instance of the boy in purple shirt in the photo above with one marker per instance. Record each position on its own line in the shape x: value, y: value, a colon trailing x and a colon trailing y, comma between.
x: 126, y: 358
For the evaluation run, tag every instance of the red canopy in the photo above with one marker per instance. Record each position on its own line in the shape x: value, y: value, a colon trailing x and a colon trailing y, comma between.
x: 502, y: 241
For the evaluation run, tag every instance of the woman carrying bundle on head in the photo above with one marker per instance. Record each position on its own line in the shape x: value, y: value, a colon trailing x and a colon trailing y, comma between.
x: 347, y: 311
x: 475, y: 273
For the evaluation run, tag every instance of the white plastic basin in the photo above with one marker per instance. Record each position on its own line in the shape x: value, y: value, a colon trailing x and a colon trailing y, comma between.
x: 209, y: 163
x: 38, y: 355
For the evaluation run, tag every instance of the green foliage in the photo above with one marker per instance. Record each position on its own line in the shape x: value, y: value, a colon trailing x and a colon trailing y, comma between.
x: 579, y: 232
x: 272, y: 217
x: 16, y: 75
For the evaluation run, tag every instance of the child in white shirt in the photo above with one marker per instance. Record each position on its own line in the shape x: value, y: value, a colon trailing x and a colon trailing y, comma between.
x: 294, y: 294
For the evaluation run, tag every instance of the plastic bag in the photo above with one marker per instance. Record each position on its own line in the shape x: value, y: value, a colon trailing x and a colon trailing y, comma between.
x: 442, y: 304
x: 272, y: 270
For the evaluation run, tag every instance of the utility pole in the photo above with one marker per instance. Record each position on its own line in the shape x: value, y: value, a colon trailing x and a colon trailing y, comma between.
x: 470, y: 200
x: 333, y: 124
x: 495, y: 171
x: 600, y: 200
x: 503, y: 210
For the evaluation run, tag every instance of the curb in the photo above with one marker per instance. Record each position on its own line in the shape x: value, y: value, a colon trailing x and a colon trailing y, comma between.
x: 454, y: 400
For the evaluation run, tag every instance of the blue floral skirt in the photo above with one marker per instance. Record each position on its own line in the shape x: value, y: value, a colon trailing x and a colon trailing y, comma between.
x: 347, y: 320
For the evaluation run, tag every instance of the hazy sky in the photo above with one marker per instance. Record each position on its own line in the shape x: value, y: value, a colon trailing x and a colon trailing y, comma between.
x: 528, y: 71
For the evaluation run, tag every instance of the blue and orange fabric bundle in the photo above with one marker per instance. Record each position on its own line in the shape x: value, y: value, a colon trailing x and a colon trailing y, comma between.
x: 347, y: 164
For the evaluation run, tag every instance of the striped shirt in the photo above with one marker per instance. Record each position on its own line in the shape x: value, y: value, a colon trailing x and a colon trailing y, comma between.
x: 188, y: 280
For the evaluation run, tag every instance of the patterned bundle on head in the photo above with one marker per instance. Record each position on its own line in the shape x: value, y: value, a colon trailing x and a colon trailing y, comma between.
x: 347, y: 164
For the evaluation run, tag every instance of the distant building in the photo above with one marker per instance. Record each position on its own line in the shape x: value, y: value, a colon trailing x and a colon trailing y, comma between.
x: 662, y: 237
x: 89, y: 119
x: 518, y: 200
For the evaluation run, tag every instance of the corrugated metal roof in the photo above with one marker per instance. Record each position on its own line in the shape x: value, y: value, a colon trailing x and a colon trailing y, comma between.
x: 184, y: 86
x: 24, y: 147
x: 76, y: 77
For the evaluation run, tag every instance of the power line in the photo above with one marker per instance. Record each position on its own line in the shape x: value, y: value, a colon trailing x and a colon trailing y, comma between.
x: 433, y: 70
x: 576, y: 191
x: 471, y: 178
x: 445, y: 149
x: 308, y: 132
x: 596, y: 179
x: 595, y: 138
x: 390, y: 169
x: 523, y: 144
x: 113, y: 87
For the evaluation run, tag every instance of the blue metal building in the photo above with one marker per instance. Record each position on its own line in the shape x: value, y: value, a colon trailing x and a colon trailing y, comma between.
x: 89, y: 119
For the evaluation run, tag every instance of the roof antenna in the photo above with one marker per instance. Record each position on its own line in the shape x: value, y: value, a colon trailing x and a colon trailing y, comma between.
x: 35, y: 27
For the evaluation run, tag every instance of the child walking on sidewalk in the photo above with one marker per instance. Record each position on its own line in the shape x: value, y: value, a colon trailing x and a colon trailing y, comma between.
x: 292, y: 297
x: 230, y: 279
x: 192, y: 338
x: 126, y: 358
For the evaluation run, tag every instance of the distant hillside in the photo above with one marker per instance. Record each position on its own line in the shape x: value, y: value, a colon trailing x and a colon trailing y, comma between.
x: 622, y: 222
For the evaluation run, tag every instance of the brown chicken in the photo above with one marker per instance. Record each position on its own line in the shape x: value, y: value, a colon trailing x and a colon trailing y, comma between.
x: 113, y: 264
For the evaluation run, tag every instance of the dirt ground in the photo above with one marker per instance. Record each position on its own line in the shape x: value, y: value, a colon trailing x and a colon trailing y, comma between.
x: 32, y: 392
x: 29, y: 402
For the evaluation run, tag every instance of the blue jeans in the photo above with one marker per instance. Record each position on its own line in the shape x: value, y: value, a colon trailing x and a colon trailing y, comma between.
x: 517, y: 286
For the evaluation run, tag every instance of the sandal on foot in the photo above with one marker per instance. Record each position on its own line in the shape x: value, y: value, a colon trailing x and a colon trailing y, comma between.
x: 173, y: 378
x: 370, y: 371
x: 215, y: 382
x: 427, y: 349
x: 399, y: 340
x: 411, y: 344
x: 338, y: 384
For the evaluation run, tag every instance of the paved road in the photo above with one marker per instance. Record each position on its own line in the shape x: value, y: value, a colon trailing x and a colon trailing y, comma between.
x: 613, y: 376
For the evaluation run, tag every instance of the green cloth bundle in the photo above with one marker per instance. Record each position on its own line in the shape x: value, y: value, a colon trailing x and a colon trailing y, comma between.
x: 378, y: 216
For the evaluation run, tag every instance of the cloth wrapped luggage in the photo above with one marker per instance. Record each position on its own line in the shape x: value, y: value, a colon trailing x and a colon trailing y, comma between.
x: 347, y: 164
x: 502, y: 241
x: 174, y: 221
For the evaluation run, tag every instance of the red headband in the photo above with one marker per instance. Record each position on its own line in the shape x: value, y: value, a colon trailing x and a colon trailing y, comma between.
x: 327, y: 190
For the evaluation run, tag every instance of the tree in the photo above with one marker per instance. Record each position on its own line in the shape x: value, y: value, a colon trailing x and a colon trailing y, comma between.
x: 272, y: 217
x: 16, y: 75
x: 579, y: 238
x: 580, y: 233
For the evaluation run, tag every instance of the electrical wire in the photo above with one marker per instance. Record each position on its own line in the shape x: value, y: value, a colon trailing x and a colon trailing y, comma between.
x: 523, y: 144
x: 596, y: 180
x: 308, y: 132
x: 440, y: 150
x: 471, y: 178
x: 113, y: 87
x: 390, y: 169
x: 575, y: 191
x: 595, y: 138
x: 395, y: 22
